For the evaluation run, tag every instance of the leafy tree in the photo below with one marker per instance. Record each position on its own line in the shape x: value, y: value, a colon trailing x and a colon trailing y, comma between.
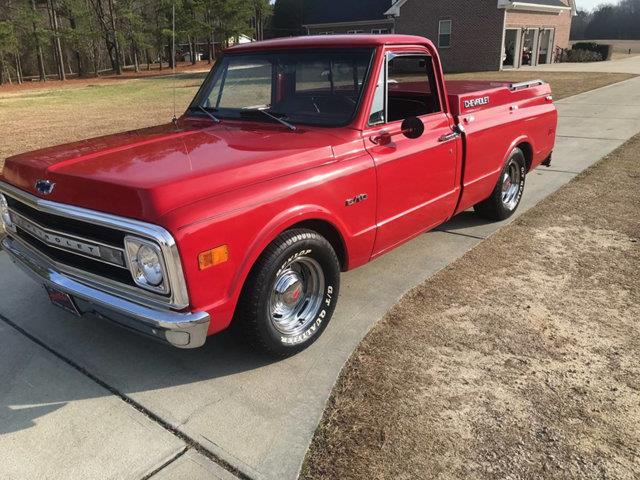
x: 133, y: 31
x: 80, y: 36
x: 262, y: 13
x: 39, y: 38
x: 579, y: 25
x: 8, y: 49
x: 620, y: 21
x: 56, y: 41
x: 12, y: 35
x: 288, y: 18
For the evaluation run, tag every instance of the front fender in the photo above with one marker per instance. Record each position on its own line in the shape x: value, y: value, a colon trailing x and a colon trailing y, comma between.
x: 284, y: 221
x: 247, y: 220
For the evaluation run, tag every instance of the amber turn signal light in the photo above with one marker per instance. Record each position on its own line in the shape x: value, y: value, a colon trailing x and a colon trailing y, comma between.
x: 213, y: 257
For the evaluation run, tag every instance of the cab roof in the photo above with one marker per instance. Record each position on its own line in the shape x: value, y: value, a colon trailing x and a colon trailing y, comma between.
x: 331, y: 41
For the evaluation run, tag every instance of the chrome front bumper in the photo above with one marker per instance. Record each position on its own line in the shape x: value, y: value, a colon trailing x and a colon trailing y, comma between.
x: 182, y: 330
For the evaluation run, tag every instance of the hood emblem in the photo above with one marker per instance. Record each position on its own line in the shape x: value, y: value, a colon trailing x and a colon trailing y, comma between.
x: 45, y: 187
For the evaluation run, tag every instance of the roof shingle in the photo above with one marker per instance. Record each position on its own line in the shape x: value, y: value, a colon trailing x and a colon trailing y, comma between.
x: 551, y: 3
x: 339, y: 11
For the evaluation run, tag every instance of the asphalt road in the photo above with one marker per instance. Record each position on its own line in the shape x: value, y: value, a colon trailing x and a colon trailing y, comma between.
x: 81, y: 399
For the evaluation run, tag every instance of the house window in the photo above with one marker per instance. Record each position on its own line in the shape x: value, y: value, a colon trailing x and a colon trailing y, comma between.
x: 354, y: 32
x: 379, y: 31
x: 444, y: 34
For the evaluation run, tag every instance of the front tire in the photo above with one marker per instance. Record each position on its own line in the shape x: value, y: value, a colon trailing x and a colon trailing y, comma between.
x: 506, y: 195
x: 290, y: 295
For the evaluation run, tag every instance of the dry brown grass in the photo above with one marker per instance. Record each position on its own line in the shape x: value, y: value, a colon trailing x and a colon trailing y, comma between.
x: 36, y: 118
x: 518, y: 361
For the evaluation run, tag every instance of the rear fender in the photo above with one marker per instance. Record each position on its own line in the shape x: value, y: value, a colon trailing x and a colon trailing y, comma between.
x: 519, y: 141
x: 477, y: 191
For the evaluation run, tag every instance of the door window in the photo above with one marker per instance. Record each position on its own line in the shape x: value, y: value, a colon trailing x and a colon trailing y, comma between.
x: 410, y: 89
x: 378, y: 107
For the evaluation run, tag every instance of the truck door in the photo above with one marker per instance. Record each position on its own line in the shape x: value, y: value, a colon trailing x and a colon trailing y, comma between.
x: 417, y: 187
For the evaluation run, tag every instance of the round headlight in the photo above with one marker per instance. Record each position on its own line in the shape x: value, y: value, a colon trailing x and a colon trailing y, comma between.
x: 150, y: 266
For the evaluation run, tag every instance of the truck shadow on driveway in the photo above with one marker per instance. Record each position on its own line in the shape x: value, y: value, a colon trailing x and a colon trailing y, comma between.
x: 240, y: 406
x: 138, y: 368
x: 17, y: 419
x: 463, y: 221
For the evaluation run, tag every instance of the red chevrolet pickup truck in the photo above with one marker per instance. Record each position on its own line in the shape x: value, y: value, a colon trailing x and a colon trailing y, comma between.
x: 298, y: 159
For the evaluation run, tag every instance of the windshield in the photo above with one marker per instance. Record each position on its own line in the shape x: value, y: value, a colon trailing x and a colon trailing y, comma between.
x: 300, y: 87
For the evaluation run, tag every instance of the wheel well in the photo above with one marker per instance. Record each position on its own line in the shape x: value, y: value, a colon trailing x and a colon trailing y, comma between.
x: 332, y: 235
x: 528, y: 153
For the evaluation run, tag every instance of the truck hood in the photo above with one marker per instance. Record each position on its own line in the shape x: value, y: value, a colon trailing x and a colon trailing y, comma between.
x: 146, y: 173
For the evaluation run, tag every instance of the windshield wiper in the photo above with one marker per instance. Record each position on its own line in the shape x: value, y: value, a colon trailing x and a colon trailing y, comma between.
x: 208, y: 114
x: 266, y: 112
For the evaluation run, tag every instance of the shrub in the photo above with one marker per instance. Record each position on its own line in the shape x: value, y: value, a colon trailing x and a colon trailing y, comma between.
x: 578, y: 55
x: 605, y: 51
x: 591, y: 46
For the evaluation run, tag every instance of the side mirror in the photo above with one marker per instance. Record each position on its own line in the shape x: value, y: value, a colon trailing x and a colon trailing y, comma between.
x: 412, y: 127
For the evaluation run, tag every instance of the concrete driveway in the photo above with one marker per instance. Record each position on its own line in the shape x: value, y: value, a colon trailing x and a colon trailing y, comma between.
x: 82, y: 399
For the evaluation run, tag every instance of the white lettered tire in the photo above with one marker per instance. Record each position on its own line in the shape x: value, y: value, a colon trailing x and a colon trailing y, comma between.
x: 290, y: 295
x: 506, y: 195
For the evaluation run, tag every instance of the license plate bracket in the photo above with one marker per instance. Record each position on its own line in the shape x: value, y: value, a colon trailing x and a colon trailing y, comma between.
x: 62, y: 300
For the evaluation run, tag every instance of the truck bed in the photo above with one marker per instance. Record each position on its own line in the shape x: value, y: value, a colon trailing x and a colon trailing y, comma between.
x: 498, y: 117
x: 469, y: 96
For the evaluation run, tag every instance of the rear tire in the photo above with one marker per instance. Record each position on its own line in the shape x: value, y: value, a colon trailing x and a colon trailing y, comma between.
x: 290, y: 295
x: 506, y: 195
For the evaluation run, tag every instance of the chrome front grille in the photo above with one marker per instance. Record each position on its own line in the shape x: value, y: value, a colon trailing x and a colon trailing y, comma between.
x: 89, y: 246
x: 101, y: 252
x: 70, y: 243
x: 51, y: 218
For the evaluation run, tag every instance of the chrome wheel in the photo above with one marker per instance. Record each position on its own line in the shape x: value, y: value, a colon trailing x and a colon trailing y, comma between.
x: 511, y: 185
x: 296, y: 295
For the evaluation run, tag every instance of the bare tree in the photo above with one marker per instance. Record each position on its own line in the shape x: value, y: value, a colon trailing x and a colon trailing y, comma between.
x: 38, y: 43
x: 57, y: 45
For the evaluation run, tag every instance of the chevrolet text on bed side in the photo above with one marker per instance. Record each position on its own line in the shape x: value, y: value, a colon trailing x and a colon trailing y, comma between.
x: 298, y: 158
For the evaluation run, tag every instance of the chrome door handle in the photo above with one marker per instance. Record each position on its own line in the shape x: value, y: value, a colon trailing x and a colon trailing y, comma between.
x: 448, y: 137
x: 381, y: 138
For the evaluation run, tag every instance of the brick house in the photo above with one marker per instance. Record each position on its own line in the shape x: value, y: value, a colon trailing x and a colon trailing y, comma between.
x: 471, y: 35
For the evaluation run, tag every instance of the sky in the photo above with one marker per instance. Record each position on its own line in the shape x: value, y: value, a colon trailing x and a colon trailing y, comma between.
x: 590, y: 4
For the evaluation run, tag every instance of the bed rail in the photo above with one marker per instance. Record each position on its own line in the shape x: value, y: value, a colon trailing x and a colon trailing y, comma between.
x: 528, y: 84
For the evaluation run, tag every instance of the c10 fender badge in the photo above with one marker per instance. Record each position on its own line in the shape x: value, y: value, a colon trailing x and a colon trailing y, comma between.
x: 476, y: 102
x: 45, y: 187
x: 357, y: 199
